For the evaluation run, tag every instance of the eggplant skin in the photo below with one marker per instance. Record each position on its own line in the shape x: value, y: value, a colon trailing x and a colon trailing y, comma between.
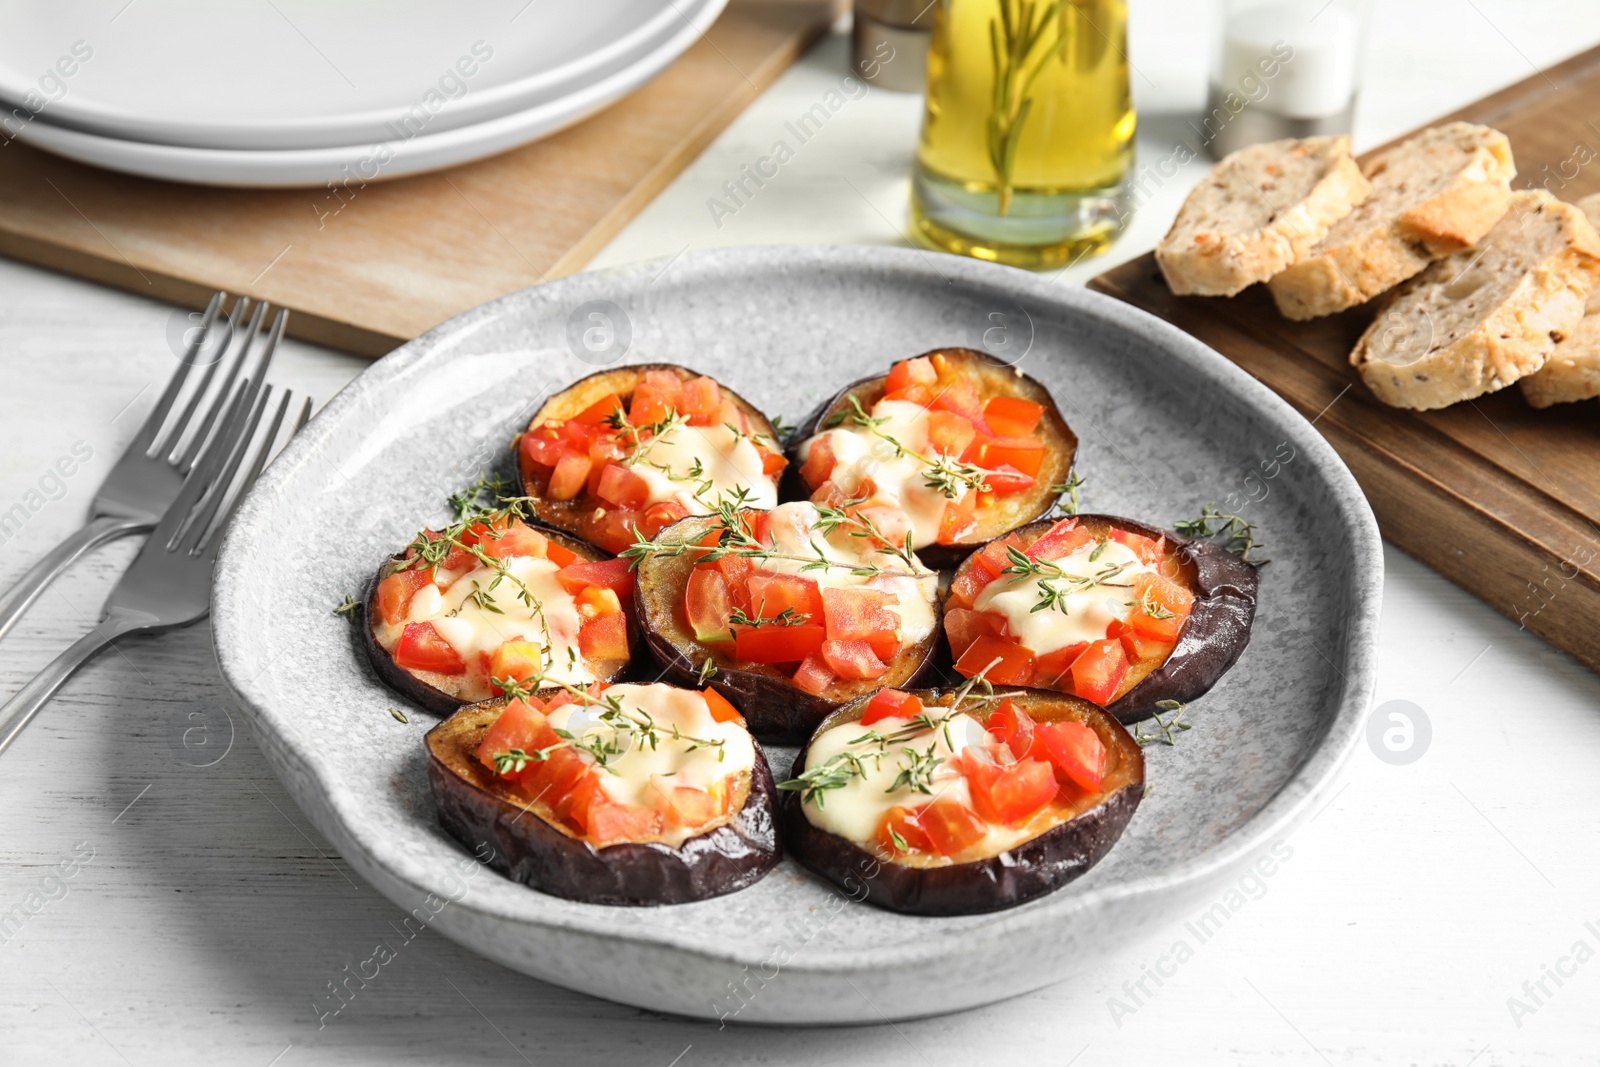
x: 1216, y: 632
x: 527, y: 849
x: 1032, y: 869
x: 777, y: 711
x: 432, y: 698
x: 994, y: 378
x: 570, y: 515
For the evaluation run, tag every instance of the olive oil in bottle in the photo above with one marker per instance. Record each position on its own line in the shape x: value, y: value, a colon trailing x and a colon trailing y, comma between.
x: 1027, y: 134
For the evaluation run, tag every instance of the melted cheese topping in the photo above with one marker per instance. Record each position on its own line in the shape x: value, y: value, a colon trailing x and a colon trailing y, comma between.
x: 898, y: 480
x: 855, y: 810
x: 729, y: 461
x: 636, y: 775
x: 470, y: 628
x: 792, y: 528
x: 1104, y: 589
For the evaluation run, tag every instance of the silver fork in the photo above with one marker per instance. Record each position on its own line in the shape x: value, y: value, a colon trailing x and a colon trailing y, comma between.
x: 169, y: 584
x: 151, y: 472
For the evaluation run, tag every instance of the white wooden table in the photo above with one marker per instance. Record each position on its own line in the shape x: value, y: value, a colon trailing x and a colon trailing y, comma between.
x: 203, y: 915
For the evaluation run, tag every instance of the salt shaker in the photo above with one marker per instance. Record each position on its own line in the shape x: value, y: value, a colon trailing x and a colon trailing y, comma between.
x: 1284, y: 68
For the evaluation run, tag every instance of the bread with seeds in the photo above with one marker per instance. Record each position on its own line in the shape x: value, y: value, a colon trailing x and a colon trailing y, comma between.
x: 1573, y: 370
x: 1431, y: 196
x: 1478, y: 320
x: 1257, y: 211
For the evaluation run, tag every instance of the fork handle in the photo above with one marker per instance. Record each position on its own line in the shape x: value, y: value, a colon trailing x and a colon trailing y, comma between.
x: 21, y: 596
x: 21, y: 708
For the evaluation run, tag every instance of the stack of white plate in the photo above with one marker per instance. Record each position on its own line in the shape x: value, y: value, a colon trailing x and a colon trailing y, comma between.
x: 303, y: 92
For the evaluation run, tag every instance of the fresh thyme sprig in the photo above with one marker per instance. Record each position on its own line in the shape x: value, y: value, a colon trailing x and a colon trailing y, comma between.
x: 1055, y: 583
x: 472, y: 501
x: 830, y: 519
x: 786, y: 617
x: 737, y: 538
x: 946, y: 474
x: 637, y: 440
x: 1237, y: 535
x: 620, y: 728
x: 1070, y: 488
x: 350, y: 608
x: 1165, y: 727
x: 708, y: 671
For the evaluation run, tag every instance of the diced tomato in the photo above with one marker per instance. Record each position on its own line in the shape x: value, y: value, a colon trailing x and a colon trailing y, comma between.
x: 516, y: 659
x: 558, y: 553
x: 707, y: 604
x: 917, y: 371
x: 721, y: 710
x: 422, y: 649
x: 1158, y: 597
x: 1012, y: 726
x: 395, y: 592
x: 603, y: 452
x: 974, y: 452
x: 772, y: 463
x: 1005, y: 480
x: 517, y: 540
x: 1050, y: 668
x: 520, y: 726
x: 959, y: 519
x: 612, y: 528
x: 610, y: 574
x: 987, y: 565
x: 651, y: 403
x: 1074, y: 750
x: 1015, y: 666
x: 1010, y: 416
x: 891, y: 704
x: 951, y: 826
x: 701, y: 400
x: 857, y: 614
x: 772, y: 594
x: 608, y: 823
x: 920, y: 395
x: 1026, y: 454
x: 570, y: 476
x: 1098, y: 672
x: 543, y: 445
x: 962, y: 626
x: 902, y: 822
x: 814, y: 675
x: 891, y: 523
x: 852, y: 660
x: 599, y: 411
x: 660, y: 515
x: 819, y: 462
x: 621, y: 486
x: 1060, y: 541
x: 960, y: 396
x: 686, y: 806
x: 1143, y: 649
x: 949, y: 433
x: 1147, y: 549
x: 580, y: 435
x: 736, y: 569
x: 604, y: 636
x: 1009, y: 794
x: 778, y: 644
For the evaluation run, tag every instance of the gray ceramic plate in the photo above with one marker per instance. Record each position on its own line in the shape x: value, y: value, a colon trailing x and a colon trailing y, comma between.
x: 1166, y: 425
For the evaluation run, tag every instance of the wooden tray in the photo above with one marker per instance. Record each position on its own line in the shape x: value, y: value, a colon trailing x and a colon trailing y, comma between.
x: 1501, y: 499
x: 368, y: 268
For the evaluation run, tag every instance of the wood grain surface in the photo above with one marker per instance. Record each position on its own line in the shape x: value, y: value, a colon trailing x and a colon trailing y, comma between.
x: 1495, y: 495
x: 366, y: 267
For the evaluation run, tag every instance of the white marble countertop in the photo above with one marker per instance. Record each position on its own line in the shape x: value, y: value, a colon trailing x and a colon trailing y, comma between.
x: 1419, y: 909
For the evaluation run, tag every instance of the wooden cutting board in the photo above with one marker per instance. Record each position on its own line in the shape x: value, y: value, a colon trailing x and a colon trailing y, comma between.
x: 368, y: 268
x: 1500, y: 498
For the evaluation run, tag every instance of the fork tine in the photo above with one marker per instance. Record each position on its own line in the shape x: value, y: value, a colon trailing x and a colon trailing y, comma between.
x: 279, y: 322
x: 215, y: 408
x: 175, y: 439
x: 158, y: 415
x: 263, y: 454
x: 211, y: 503
x: 200, y: 478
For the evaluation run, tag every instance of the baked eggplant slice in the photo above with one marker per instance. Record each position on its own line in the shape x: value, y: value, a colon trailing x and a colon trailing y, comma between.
x: 659, y: 795
x: 953, y: 803
x: 788, y: 613
x: 495, y: 597
x: 645, y: 446
x: 1118, y: 612
x: 967, y: 448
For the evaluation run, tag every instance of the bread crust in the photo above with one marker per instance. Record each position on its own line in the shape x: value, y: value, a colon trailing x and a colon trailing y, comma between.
x: 1510, y: 340
x: 1198, y: 259
x: 1344, y: 270
x: 1573, y: 371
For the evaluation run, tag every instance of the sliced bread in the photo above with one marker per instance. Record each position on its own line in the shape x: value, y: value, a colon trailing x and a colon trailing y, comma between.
x: 1481, y: 319
x: 1257, y: 212
x: 1432, y: 195
x: 1573, y: 370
